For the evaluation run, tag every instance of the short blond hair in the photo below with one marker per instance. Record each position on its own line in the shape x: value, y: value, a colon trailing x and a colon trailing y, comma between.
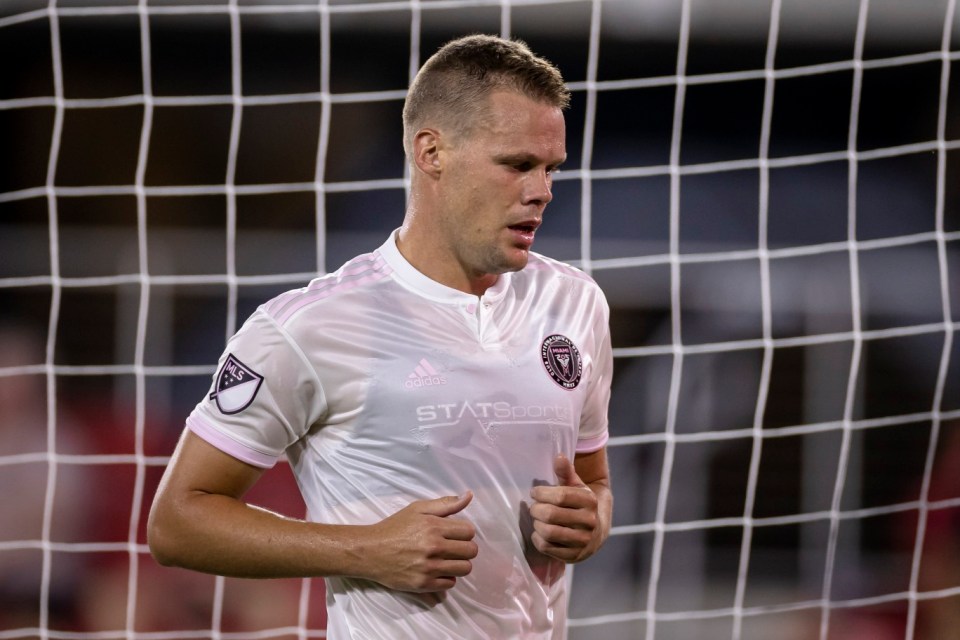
x: 452, y: 87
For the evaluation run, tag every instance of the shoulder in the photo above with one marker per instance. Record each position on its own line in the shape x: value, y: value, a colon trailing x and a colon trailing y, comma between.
x: 340, y: 287
x: 542, y: 271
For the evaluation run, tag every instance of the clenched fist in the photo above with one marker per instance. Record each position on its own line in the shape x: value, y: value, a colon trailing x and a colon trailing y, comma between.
x: 422, y: 548
x: 566, y: 521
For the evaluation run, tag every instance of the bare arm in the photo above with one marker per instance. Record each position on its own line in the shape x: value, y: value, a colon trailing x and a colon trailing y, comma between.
x: 572, y: 520
x: 199, y: 521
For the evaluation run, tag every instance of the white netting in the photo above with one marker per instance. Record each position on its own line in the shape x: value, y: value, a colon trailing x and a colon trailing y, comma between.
x: 766, y: 190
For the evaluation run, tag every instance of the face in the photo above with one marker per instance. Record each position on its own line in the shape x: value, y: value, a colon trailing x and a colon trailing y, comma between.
x: 496, y: 182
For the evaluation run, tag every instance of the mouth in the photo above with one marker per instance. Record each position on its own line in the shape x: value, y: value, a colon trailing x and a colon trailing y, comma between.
x: 526, y: 227
x: 524, y: 231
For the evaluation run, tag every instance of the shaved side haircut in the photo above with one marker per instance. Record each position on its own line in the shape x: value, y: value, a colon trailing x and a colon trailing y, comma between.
x: 452, y: 88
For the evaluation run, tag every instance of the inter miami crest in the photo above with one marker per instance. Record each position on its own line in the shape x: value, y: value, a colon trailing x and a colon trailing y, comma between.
x: 562, y: 360
x: 236, y: 386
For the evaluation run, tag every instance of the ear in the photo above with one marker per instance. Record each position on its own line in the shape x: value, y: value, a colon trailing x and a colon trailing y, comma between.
x: 426, y: 151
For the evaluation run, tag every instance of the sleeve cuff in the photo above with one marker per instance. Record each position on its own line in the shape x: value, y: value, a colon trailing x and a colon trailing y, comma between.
x: 589, y: 445
x: 230, y: 446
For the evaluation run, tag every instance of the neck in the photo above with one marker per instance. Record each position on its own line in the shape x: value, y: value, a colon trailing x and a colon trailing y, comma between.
x: 434, y: 259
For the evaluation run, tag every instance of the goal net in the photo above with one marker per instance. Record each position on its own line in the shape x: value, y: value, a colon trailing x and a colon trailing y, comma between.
x: 766, y: 190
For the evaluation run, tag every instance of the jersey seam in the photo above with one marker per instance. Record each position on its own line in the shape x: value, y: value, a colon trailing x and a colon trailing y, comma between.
x: 291, y: 341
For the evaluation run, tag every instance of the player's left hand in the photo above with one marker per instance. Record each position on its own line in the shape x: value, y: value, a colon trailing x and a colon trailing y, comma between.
x: 566, y: 525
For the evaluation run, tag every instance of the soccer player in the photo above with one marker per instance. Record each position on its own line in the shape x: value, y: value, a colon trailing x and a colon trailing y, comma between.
x: 442, y: 401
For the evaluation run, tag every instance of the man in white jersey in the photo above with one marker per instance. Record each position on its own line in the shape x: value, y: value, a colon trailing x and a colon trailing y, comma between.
x: 442, y: 400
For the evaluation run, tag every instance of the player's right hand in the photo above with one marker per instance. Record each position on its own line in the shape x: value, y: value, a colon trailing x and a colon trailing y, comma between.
x: 421, y: 548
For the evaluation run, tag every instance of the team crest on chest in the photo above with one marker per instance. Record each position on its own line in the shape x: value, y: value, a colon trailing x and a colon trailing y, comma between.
x: 236, y: 386
x: 561, y: 358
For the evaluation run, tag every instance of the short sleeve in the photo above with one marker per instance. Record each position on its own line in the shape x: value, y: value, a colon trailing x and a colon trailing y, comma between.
x: 594, y: 431
x: 265, y: 395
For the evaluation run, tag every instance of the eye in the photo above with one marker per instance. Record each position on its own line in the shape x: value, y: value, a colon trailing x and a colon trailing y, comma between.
x: 523, y: 166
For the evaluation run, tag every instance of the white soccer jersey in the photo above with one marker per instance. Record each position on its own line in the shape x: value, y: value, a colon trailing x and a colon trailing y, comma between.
x: 383, y: 387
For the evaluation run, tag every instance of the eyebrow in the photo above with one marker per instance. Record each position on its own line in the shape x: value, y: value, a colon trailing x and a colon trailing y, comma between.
x: 518, y: 158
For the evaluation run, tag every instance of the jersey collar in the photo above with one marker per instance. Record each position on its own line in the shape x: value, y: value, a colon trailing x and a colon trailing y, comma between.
x: 412, y: 279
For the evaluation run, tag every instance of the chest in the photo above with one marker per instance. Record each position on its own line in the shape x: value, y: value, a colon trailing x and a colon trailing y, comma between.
x: 425, y: 368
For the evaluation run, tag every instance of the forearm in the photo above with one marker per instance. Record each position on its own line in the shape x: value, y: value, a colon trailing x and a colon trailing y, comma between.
x: 199, y: 521
x: 221, y: 535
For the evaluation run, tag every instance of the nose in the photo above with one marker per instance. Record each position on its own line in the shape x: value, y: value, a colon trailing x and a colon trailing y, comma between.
x: 538, y: 188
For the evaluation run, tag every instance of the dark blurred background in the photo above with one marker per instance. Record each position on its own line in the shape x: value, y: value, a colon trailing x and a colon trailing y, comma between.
x: 783, y: 310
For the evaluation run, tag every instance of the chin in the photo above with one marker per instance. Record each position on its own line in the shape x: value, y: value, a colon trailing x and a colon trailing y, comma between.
x: 505, y: 259
x: 517, y: 262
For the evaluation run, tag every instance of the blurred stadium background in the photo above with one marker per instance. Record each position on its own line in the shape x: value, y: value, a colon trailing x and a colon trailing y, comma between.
x: 767, y: 190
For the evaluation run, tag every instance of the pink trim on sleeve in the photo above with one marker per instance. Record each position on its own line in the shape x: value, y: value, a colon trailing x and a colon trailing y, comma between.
x: 589, y: 445
x: 230, y: 446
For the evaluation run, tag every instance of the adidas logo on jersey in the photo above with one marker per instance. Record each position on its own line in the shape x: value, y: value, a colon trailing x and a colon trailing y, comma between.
x: 424, y: 375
